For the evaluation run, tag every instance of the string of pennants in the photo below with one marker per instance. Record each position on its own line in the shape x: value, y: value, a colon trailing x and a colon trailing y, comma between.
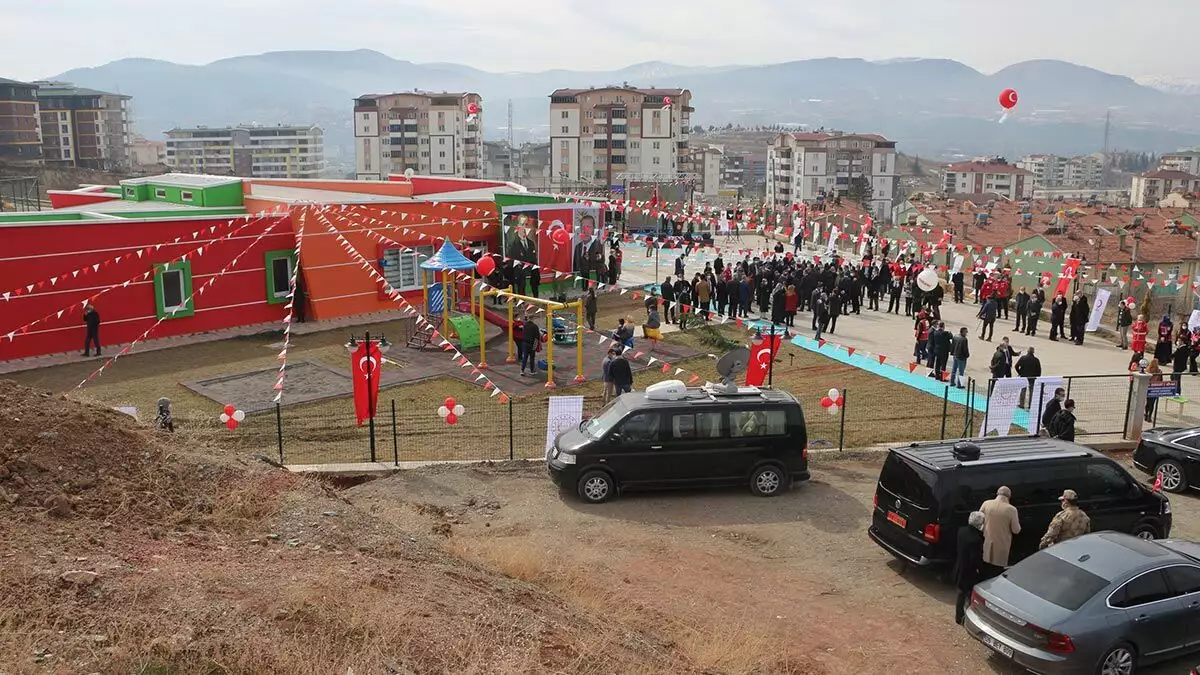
x: 290, y: 307
x: 77, y: 306
x: 233, y: 262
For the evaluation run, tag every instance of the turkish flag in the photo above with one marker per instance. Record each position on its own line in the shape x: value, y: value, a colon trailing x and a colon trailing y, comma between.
x: 1070, y: 268
x: 365, y: 366
x: 760, y: 360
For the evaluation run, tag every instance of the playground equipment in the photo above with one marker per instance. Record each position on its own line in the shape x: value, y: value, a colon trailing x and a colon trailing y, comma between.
x: 561, y: 333
x: 436, y: 299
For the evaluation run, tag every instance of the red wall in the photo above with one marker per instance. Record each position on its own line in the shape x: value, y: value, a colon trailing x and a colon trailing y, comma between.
x: 32, y: 254
x: 61, y: 200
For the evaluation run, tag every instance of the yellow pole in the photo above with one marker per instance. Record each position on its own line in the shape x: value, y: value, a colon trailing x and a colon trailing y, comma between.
x: 549, y: 348
x: 579, y: 341
x: 482, y: 334
x: 445, y: 303
x: 472, y: 296
x: 511, y: 354
x: 424, y: 293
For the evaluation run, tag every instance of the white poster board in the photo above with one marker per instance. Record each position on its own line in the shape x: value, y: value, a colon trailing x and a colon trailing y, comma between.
x: 1194, y: 320
x: 1098, y: 307
x: 1042, y: 393
x: 958, y: 264
x: 723, y: 223
x: 1002, y: 404
x: 833, y: 235
x: 566, y: 412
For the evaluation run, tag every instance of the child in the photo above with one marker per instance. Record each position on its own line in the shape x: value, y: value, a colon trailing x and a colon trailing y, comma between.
x: 164, y: 419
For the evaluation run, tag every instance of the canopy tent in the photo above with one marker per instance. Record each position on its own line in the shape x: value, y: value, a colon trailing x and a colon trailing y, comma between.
x: 448, y: 258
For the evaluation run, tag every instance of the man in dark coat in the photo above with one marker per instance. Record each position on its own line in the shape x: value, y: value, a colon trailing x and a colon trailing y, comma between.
x: 1058, y: 316
x: 957, y: 280
x: 1033, y: 314
x: 91, y: 320
x: 1030, y: 368
x: 968, y: 562
x: 530, y: 339
x: 942, y: 342
x: 621, y: 374
x: 1062, y: 425
x: 668, y: 295
x: 1053, y: 407
x: 1081, y: 310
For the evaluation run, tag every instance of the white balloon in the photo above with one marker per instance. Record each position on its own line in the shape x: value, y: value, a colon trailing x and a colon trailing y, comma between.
x: 459, y: 410
x: 833, y: 393
x: 224, y: 418
x: 927, y: 280
x: 239, y: 415
x: 833, y: 410
x: 443, y: 411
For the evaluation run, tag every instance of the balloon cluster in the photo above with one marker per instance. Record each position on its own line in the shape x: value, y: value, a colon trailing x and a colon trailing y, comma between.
x: 472, y: 112
x: 231, y: 416
x: 450, y: 410
x: 832, y: 401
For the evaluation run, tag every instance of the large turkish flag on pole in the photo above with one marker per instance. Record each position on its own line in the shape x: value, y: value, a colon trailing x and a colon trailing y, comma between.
x: 365, y: 366
x: 1070, y: 269
x: 760, y: 360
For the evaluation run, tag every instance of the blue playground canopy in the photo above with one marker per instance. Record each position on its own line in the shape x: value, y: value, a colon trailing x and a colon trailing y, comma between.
x: 448, y: 257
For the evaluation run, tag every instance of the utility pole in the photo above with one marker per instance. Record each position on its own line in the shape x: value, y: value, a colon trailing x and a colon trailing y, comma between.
x: 513, y: 173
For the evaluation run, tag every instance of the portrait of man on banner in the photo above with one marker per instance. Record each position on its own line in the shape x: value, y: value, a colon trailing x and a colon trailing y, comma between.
x: 520, y: 236
x: 589, y: 242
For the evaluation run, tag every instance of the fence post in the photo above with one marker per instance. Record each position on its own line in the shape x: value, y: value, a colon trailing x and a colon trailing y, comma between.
x: 279, y: 429
x: 945, y: 409
x: 395, y: 441
x: 842, y: 423
x: 511, y: 450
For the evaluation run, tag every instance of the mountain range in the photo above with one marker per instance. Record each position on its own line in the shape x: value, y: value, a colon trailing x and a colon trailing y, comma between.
x: 932, y: 107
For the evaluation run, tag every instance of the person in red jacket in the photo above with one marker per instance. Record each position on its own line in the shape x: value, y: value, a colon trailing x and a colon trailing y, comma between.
x: 921, y: 333
x: 1140, y: 329
x: 1003, y: 294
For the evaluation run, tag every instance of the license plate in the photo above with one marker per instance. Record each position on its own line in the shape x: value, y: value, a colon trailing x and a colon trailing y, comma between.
x: 996, y: 644
x: 897, y: 519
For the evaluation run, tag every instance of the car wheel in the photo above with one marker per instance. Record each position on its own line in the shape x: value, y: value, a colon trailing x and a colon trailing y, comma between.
x: 596, y: 487
x: 1171, y: 473
x: 1120, y: 660
x: 1145, y: 530
x: 767, y: 481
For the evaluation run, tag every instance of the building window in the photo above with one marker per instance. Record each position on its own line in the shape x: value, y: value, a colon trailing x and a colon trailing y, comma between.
x: 442, y: 154
x: 566, y: 114
x: 654, y: 160
x: 441, y: 141
x: 67, y: 153
x: 62, y: 116
x: 160, y: 193
x: 441, y: 167
x: 130, y: 192
x: 280, y: 265
x: 185, y: 196
x: 588, y: 114
x: 654, y: 145
x: 566, y: 130
x: 173, y: 290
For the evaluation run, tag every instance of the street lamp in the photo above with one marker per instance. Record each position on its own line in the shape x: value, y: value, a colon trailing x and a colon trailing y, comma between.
x: 369, y: 368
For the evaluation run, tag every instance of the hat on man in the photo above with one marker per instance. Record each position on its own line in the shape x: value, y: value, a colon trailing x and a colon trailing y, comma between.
x: 1069, y: 496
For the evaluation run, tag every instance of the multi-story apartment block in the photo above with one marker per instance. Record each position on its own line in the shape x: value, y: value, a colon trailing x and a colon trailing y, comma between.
x: 20, y: 127
x: 1006, y: 180
x: 709, y: 164
x: 1053, y: 171
x: 430, y: 133
x: 250, y: 151
x: 802, y: 166
x: 600, y: 133
x: 83, y: 127
x: 499, y: 161
x: 1148, y: 189
x: 1187, y: 161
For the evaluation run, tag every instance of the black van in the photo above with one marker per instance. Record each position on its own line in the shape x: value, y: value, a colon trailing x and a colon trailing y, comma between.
x: 927, y: 490
x: 672, y: 436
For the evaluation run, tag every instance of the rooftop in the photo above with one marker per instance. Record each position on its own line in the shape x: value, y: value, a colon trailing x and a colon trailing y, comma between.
x: 127, y: 208
x: 637, y: 90
x: 67, y: 89
x: 183, y: 180
x: 246, y: 127
x: 825, y: 136
x: 429, y: 94
x: 987, y: 167
x: 4, y: 80
x: 1168, y: 174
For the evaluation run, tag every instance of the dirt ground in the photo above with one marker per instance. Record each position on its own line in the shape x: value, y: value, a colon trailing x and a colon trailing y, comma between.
x: 791, y: 583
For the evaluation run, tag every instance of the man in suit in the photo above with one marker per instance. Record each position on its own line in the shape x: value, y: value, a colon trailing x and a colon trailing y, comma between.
x: 589, y: 252
x: 1001, y: 523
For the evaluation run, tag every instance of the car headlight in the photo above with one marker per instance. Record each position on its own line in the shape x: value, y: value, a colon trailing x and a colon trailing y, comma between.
x: 566, y: 458
x: 1166, y: 506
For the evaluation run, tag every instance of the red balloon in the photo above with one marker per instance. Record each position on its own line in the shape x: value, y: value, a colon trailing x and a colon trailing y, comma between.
x: 230, y: 409
x: 449, y: 402
x: 451, y: 419
x: 1008, y: 99
x: 486, y: 265
x: 826, y: 401
x: 1130, y: 301
x: 472, y: 108
x: 839, y: 401
x: 561, y: 237
x: 231, y: 424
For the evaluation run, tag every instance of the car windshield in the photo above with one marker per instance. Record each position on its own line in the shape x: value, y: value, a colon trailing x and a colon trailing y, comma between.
x: 1055, y: 580
x: 908, y: 481
x: 601, y: 424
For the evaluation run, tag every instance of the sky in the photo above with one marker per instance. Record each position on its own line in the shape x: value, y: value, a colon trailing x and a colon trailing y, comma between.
x: 47, y: 37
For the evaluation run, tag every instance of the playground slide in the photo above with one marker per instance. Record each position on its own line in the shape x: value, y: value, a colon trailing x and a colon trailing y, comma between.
x: 488, y: 315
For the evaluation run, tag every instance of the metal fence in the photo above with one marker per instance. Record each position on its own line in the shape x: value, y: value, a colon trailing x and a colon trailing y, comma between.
x: 1102, y: 404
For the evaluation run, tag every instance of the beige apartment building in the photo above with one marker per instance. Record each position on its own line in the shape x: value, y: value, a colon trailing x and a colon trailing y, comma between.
x: 83, y: 127
x: 428, y: 132
x: 601, y: 135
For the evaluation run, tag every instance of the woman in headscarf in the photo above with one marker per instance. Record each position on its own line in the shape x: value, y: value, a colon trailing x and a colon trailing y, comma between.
x: 1163, y: 347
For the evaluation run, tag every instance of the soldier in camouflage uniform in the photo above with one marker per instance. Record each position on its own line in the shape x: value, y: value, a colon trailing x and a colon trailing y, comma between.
x: 1068, y: 523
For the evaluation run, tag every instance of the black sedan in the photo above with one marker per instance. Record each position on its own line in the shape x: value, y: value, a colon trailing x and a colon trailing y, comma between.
x: 1172, y: 455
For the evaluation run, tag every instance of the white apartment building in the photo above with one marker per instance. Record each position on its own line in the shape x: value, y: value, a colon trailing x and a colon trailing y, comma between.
x: 802, y: 166
x: 1187, y: 161
x: 1007, y: 180
x: 250, y: 151
x: 427, y: 132
x: 598, y: 134
x: 709, y: 163
x: 1053, y: 171
x: 1148, y: 189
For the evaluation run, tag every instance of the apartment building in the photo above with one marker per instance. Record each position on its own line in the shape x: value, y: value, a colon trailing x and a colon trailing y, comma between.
x: 976, y: 177
x: 1150, y: 188
x: 250, y: 151
x: 427, y: 132
x: 145, y: 153
x: 499, y: 160
x: 803, y: 166
x: 1187, y: 161
x: 1053, y: 171
x: 20, y: 126
x: 600, y: 133
x: 83, y: 127
x: 709, y: 162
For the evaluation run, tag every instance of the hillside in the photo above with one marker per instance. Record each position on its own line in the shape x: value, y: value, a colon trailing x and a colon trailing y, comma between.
x: 931, y: 106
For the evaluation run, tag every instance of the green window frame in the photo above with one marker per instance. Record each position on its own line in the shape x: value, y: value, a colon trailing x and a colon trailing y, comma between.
x: 167, y: 273
x: 274, y: 296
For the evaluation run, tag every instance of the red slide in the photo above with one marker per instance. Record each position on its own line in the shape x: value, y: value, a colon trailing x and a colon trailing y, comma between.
x: 488, y: 315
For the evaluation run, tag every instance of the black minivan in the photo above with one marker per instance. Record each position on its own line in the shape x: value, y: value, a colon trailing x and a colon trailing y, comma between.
x: 674, y: 436
x: 927, y: 490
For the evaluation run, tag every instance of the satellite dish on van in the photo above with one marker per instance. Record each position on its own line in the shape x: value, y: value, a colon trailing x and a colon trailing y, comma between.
x: 731, y: 365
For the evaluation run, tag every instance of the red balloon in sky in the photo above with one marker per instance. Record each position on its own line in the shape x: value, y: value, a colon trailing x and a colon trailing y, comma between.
x: 1008, y: 99
x: 486, y: 265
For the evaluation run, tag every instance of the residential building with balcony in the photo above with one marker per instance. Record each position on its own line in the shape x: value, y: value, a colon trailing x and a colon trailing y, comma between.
x: 83, y: 127
x: 709, y: 162
x: 282, y: 151
x: 803, y: 166
x: 1008, y: 181
x: 1054, y: 171
x: 1187, y: 161
x: 427, y: 132
x: 600, y: 133
x: 1148, y: 189
x: 20, y: 125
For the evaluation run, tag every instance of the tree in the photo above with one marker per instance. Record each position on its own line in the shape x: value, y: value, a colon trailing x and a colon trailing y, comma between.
x: 917, y: 169
x: 860, y: 192
x: 697, y: 129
